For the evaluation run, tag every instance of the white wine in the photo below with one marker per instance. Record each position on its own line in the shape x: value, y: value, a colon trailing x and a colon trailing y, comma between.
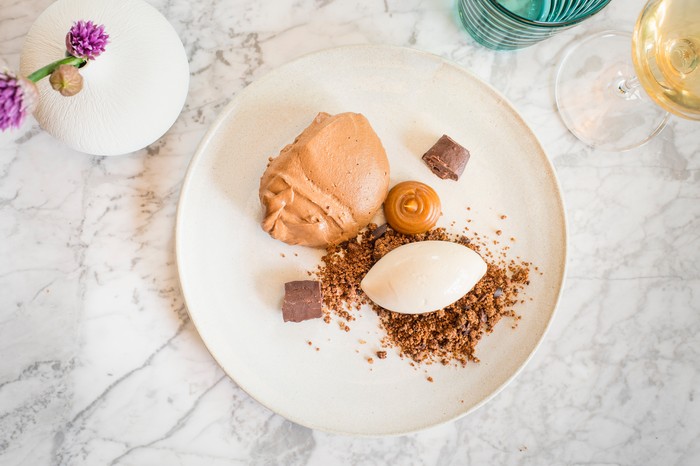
x: 666, y: 55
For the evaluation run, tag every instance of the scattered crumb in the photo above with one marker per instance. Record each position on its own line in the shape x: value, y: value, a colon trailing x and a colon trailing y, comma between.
x: 446, y: 336
x: 430, y: 379
x: 362, y: 342
x: 282, y: 254
x: 503, y: 217
x: 343, y: 326
x: 370, y: 360
x: 499, y: 232
x: 381, y: 354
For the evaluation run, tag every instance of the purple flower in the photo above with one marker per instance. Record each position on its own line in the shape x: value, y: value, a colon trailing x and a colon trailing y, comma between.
x: 18, y: 97
x: 86, y: 40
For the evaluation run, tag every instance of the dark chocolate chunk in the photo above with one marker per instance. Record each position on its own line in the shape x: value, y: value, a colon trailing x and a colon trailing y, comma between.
x: 379, y: 231
x: 302, y: 301
x: 446, y: 158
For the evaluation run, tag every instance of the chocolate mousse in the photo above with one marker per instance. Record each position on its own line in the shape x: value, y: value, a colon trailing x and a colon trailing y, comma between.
x: 328, y: 184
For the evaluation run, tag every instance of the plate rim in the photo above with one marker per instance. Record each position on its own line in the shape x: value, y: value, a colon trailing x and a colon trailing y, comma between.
x: 230, y: 107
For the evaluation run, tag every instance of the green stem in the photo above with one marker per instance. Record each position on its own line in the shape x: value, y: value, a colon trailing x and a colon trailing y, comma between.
x: 48, y: 69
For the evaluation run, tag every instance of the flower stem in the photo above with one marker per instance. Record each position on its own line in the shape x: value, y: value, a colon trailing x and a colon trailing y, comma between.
x: 48, y: 69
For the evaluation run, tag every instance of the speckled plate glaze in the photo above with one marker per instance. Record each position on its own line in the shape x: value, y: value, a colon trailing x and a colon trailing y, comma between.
x: 233, y: 274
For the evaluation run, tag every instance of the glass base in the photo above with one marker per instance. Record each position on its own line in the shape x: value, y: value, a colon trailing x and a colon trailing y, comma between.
x: 599, y: 98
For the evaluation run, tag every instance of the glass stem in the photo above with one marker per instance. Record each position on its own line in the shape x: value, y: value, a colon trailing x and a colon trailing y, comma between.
x: 628, y: 86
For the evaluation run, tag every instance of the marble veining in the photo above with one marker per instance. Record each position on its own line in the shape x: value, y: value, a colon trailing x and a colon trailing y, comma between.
x: 101, y: 365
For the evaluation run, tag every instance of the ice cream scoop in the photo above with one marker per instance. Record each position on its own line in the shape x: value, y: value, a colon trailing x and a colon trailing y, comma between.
x: 424, y: 276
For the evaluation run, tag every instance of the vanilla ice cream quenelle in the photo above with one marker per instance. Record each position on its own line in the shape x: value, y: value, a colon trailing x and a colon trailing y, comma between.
x: 424, y: 276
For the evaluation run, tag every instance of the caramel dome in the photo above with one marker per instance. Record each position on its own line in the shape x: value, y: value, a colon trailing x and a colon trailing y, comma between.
x: 412, y: 207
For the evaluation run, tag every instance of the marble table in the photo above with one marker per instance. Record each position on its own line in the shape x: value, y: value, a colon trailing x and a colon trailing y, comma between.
x: 101, y: 365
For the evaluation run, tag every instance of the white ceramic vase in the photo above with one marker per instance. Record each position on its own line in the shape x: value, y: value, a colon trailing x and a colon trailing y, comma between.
x: 132, y: 93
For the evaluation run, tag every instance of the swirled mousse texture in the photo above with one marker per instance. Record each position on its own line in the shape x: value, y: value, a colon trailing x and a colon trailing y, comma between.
x: 328, y: 184
x: 412, y: 207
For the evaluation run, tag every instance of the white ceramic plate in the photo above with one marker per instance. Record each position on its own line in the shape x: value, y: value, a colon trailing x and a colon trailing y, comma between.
x: 233, y: 274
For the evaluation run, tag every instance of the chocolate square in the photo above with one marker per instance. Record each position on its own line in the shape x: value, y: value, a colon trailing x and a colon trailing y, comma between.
x: 446, y: 158
x: 302, y: 301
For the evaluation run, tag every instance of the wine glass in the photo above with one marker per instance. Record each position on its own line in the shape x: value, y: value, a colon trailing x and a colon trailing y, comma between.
x: 615, y: 90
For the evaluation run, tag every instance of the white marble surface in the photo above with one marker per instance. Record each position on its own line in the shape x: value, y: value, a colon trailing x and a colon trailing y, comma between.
x: 100, y: 364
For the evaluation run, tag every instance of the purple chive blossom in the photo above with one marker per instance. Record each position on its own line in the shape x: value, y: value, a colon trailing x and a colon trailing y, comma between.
x: 17, y: 99
x: 86, y: 40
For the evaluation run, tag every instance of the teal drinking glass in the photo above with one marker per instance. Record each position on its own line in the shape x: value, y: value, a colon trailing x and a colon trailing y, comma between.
x: 514, y: 24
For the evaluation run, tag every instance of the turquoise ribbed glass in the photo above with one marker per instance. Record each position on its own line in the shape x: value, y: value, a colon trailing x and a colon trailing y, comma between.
x: 514, y: 24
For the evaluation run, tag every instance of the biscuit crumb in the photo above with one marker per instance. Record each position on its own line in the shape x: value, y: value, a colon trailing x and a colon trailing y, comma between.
x: 446, y: 336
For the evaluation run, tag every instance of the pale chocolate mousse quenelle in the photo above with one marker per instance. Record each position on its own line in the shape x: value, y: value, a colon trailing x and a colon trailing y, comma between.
x: 327, y: 185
